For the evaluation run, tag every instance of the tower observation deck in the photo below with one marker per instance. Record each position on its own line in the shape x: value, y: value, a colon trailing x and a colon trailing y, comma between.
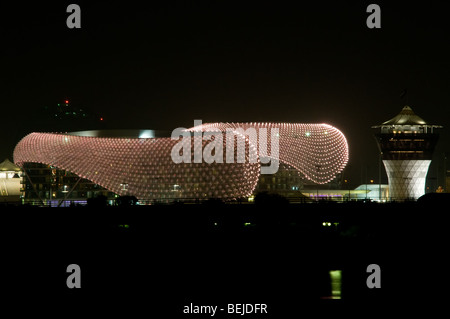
x: 406, y: 144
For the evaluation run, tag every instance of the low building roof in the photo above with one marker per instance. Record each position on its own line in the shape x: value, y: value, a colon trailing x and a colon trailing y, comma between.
x: 8, y: 166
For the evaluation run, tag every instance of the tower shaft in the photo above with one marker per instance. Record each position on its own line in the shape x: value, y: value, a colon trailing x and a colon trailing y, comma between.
x: 406, y: 144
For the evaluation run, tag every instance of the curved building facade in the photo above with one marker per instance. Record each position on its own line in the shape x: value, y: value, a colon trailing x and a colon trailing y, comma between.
x: 318, y: 151
x: 143, y: 165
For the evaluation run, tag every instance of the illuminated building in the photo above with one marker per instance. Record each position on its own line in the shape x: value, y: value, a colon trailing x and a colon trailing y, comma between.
x: 406, y: 143
x: 139, y: 163
x: 370, y: 192
x: 10, y: 181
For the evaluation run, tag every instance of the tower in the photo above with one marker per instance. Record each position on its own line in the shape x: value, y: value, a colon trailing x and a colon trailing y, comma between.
x: 406, y: 144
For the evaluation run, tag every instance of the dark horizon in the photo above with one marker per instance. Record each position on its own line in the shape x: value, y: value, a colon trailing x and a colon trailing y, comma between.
x: 161, y: 66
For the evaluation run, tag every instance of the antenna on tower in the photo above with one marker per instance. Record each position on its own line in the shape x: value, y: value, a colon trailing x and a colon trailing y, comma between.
x: 404, y: 94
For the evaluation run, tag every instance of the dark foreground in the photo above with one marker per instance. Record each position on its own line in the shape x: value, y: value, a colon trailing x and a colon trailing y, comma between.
x: 153, y: 261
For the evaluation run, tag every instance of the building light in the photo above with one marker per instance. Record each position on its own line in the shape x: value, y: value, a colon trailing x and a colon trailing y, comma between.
x: 146, y: 134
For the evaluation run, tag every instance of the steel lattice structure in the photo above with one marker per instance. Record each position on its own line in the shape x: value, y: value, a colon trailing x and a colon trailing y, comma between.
x: 319, y: 151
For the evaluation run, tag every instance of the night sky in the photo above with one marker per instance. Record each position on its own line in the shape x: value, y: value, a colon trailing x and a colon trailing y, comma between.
x: 160, y: 66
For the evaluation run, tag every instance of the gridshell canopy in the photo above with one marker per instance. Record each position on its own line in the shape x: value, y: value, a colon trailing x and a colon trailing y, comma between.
x: 318, y: 151
x: 145, y: 165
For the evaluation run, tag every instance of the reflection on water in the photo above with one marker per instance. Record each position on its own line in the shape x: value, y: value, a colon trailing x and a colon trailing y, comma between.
x: 336, y: 283
x: 333, y: 285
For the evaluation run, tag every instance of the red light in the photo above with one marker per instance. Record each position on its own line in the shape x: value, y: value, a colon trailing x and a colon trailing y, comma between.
x: 67, y: 101
x: 101, y: 119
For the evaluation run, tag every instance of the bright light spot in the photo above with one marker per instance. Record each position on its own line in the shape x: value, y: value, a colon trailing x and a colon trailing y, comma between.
x: 146, y: 134
x: 308, y: 134
x: 336, y: 283
x: 67, y: 101
x: 247, y: 224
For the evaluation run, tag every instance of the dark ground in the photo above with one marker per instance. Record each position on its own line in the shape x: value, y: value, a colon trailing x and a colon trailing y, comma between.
x: 154, y: 260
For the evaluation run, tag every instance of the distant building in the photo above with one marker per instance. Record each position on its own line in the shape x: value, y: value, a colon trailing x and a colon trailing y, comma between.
x: 10, y: 181
x: 406, y: 143
x: 372, y: 192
